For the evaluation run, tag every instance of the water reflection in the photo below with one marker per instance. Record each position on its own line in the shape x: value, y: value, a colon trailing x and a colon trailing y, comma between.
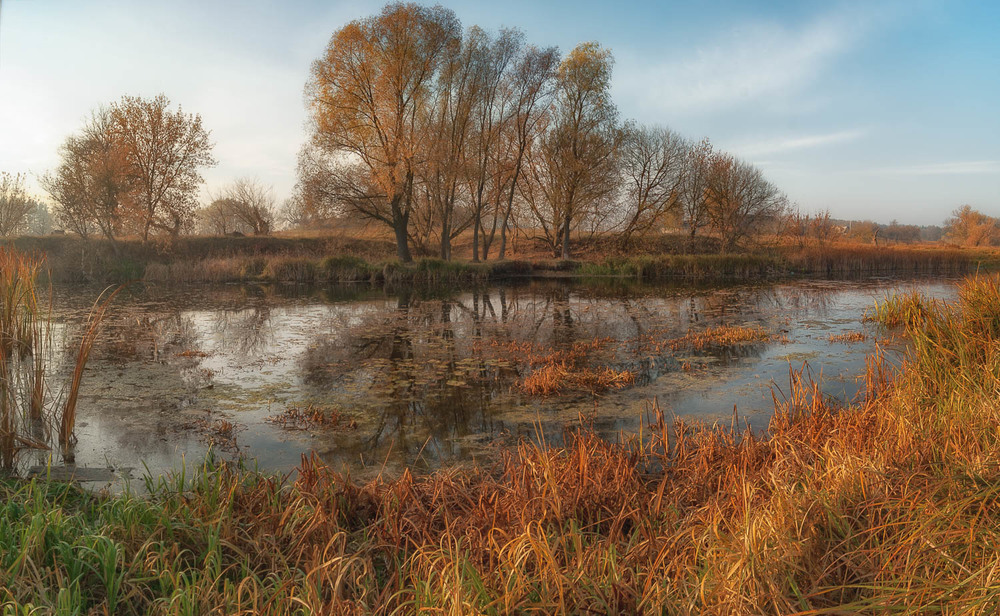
x: 430, y: 377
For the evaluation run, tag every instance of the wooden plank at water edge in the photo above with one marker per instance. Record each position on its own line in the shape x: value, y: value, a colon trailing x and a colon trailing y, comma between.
x: 72, y: 473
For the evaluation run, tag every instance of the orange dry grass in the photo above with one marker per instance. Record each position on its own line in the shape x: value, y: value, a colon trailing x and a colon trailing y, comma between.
x: 310, y: 416
x: 555, y: 378
x: 592, y: 527
x: 724, y: 335
x: 531, y: 354
x: 891, y: 505
x: 849, y: 337
x: 555, y: 371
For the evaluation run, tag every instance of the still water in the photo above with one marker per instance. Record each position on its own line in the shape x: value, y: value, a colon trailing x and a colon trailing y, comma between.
x: 425, y: 378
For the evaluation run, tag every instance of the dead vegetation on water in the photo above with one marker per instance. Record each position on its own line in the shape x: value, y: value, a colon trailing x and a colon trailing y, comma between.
x: 220, y: 434
x: 849, y: 337
x: 723, y: 335
x: 588, y: 366
x: 311, y: 416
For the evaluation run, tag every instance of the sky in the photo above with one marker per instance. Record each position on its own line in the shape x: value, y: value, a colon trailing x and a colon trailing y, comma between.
x: 872, y: 110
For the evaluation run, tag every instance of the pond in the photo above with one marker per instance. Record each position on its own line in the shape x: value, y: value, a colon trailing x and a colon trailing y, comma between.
x: 375, y: 381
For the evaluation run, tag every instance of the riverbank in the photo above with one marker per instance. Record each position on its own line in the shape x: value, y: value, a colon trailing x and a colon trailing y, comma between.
x: 335, y: 260
x: 885, y: 505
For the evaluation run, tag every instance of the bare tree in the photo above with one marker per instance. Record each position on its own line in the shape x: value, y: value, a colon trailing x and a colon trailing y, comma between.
x: 214, y: 219
x: 40, y: 219
x: 741, y: 201
x: 15, y: 206
x: 532, y: 84
x: 822, y: 227
x: 448, y: 122
x: 796, y: 226
x: 248, y: 205
x: 694, y: 187
x: 864, y: 231
x: 574, y: 167
x: 652, y: 165
x: 489, y: 161
x: 317, y: 198
x: 365, y: 95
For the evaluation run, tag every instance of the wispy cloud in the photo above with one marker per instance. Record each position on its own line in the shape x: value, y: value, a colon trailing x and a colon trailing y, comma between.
x: 961, y: 167
x: 755, y: 61
x: 800, y: 142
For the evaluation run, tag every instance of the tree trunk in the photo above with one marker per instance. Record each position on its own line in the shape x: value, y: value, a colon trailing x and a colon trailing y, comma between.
x: 445, y: 236
x: 400, y: 222
x: 475, y: 240
x: 402, y: 246
x: 565, y: 241
x: 446, y: 243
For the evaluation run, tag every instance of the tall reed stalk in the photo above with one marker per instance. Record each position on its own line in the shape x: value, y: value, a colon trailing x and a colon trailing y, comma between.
x: 67, y: 420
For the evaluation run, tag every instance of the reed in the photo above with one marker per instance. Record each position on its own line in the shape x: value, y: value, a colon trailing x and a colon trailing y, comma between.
x: 898, y: 310
x: 885, y: 505
x: 67, y: 418
x: 30, y: 410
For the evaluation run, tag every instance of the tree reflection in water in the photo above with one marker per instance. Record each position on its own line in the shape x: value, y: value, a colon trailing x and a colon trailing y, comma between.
x: 434, y: 373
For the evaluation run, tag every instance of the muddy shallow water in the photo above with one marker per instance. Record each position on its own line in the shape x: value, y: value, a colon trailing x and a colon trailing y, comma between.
x: 426, y: 378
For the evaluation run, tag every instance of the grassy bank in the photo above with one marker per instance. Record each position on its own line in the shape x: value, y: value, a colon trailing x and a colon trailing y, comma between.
x: 830, y: 261
x: 333, y: 259
x: 888, y: 505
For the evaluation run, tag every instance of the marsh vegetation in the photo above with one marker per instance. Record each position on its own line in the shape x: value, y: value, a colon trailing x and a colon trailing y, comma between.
x: 881, y: 503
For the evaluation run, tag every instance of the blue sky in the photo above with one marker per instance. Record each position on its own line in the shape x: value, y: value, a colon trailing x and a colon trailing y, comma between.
x: 880, y: 110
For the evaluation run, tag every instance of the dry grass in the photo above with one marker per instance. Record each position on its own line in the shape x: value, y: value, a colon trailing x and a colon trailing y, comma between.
x: 220, y: 434
x: 723, y: 335
x: 551, y: 371
x: 849, y: 337
x: 588, y: 366
x: 311, y: 416
x: 369, y: 255
x: 551, y: 379
x: 890, y: 505
x: 30, y: 410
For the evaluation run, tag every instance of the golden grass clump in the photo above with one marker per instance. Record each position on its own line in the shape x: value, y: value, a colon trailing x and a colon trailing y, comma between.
x: 909, y: 309
x: 555, y: 378
x: 556, y: 371
x: 849, y: 337
x: 309, y: 417
x: 723, y: 335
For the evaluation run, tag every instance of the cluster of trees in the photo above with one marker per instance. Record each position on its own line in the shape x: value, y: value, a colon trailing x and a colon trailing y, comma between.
x: 969, y: 227
x: 820, y: 228
x: 19, y: 212
x: 132, y: 170
x: 433, y: 132
x: 245, y: 207
x: 805, y: 228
